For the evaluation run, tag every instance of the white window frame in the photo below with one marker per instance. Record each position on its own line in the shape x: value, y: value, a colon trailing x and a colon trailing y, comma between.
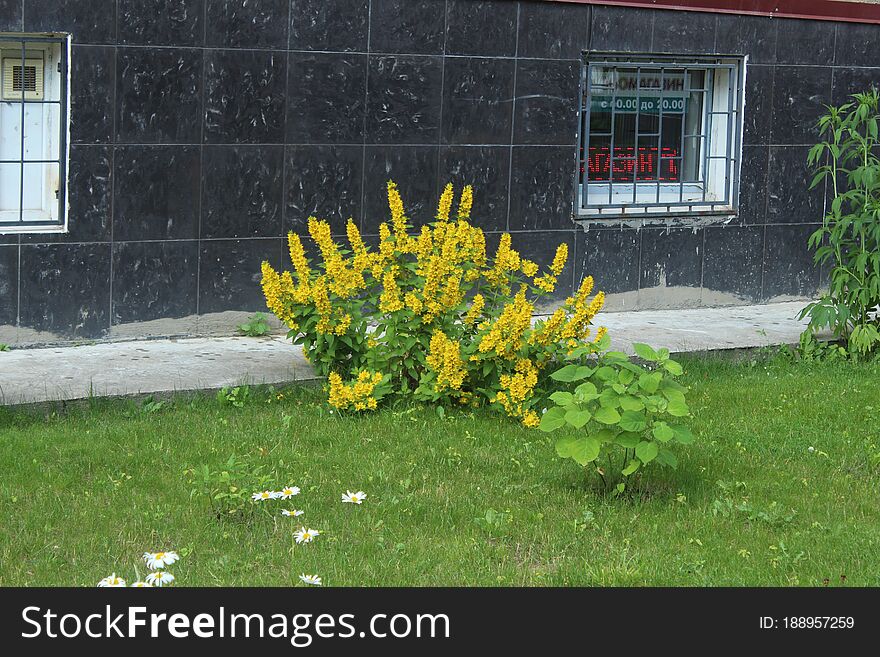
x: 715, y: 190
x: 39, y: 168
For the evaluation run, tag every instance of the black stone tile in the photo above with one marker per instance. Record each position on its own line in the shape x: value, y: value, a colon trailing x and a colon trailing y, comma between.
x: 338, y: 26
x: 487, y: 169
x: 403, y: 106
x: 621, y: 28
x: 754, y: 36
x: 325, y: 182
x: 92, y: 94
x: 154, y: 280
x: 326, y: 98
x: 611, y: 257
x: 158, y: 95
x: 156, y: 193
x: 758, y: 99
x: 542, y: 188
x: 229, y: 275
x: 65, y: 289
x: 804, y: 41
x: 732, y: 264
x: 789, y: 270
x: 89, y: 195
x: 675, y: 32
x: 478, y: 100
x: 546, y: 109
x: 407, y: 26
x: 671, y: 258
x: 89, y: 21
x: 540, y: 247
x: 8, y: 285
x: 248, y: 23
x: 242, y: 191
x: 788, y: 184
x: 857, y: 44
x: 753, y: 185
x: 553, y: 29
x: 481, y: 28
x: 414, y: 169
x: 161, y: 22
x: 799, y: 96
x: 245, y: 97
x: 10, y: 18
x: 849, y: 81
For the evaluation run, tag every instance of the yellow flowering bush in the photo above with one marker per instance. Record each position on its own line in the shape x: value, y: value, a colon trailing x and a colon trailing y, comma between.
x: 429, y: 314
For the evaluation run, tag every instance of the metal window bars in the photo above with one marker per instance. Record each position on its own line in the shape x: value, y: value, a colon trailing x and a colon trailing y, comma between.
x: 696, y: 100
x: 23, y: 93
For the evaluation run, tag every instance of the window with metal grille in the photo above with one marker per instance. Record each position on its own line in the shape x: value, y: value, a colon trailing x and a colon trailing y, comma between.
x: 34, y: 110
x: 660, y: 135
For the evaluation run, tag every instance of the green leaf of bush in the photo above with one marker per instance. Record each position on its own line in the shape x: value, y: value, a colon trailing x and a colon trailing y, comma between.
x: 562, y: 398
x: 577, y: 417
x: 631, y: 467
x: 644, y: 351
x: 650, y: 382
x: 552, y: 420
x: 583, y: 449
x: 663, y: 432
x: 683, y: 435
x: 647, y: 451
x: 677, y: 408
x: 630, y: 403
x: 586, y: 391
x: 632, y: 421
x: 571, y: 373
x: 607, y: 415
x: 628, y: 440
x: 673, y: 368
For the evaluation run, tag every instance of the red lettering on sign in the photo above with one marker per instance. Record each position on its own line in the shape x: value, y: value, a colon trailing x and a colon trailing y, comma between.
x: 641, y: 164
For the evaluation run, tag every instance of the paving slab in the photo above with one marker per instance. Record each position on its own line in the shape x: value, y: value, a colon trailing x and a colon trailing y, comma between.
x: 164, y: 366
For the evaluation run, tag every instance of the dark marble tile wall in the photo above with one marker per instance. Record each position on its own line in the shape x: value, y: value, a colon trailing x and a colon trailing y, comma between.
x: 204, y: 130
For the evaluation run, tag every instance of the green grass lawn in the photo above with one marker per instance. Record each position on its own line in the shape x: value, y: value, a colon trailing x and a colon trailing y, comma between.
x: 84, y: 491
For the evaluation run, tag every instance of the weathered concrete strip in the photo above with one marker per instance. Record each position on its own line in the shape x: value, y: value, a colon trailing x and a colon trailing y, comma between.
x: 162, y: 366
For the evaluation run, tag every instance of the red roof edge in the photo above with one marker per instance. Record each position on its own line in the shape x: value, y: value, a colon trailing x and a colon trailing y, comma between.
x: 853, y: 12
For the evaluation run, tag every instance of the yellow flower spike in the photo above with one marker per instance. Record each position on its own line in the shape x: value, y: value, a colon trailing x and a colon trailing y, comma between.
x: 413, y: 302
x: 476, y: 310
x: 321, y: 299
x: 390, y: 300
x: 444, y: 359
x: 354, y: 238
x: 445, y: 205
x: 584, y: 291
x: 528, y: 267
x: 395, y: 204
x: 466, y: 203
x: 425, y: 244
x: 559, y: 259
x: 357, y: 395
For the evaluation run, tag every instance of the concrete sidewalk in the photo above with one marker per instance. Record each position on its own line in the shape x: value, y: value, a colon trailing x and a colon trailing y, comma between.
x: 130, y: 368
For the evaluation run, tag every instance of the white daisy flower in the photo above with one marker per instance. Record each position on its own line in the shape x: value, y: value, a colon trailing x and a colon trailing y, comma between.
x: 113, y: 582
x: 141, y: 585
x: 354, y: 498
x: 314, y: 580
x: 304, y: 535
x: 160, y: 578
x: 292, y: 514
x: 156, y: 560
x: 265, y: 495
x: 288, y: 491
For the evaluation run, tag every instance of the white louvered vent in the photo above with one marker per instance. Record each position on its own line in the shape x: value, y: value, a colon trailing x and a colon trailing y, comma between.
x: 17, y: 78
